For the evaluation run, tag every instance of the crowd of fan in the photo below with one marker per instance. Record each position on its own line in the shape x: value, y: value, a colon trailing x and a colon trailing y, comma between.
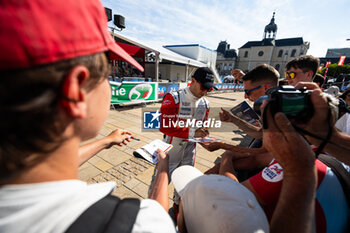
x: 281, y: 187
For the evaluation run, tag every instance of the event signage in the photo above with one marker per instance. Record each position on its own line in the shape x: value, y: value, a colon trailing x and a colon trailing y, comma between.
x: 127, y: 92
x: 341, y: 60
x: 135, y: 92
x: 184, y: 85
x: 327, y: 65
x: 165, y: 88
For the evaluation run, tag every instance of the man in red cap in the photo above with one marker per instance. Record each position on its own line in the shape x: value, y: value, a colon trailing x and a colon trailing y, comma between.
x: 54, y: 94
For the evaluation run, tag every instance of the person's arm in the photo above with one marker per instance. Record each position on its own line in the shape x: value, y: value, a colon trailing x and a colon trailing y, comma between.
x: 340, y: 152
x: 237, y: 73
x: 244, y: 161
x: 159, y: 191
x: 250, y: 129
x: 226, y: 167
x: 117, y: 137
x: 319, y: 125
x: 296, y: 206
x: 253, y: 161
x: 216, y: 145
x: 243, y: 150
x: 296, y: 203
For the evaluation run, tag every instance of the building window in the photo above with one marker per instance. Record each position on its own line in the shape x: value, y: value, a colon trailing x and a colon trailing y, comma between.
x: 246, y: 54
x: 293, y: 53
x: 277, y: 67
x: 260, y: 53
x: 280, y: 53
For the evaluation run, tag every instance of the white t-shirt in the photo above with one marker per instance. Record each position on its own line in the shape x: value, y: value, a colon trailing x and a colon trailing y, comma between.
x: 54, y: 206
x: 343, y: 123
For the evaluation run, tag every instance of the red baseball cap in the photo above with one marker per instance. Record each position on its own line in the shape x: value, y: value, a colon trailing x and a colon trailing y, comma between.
x: 36, y: 32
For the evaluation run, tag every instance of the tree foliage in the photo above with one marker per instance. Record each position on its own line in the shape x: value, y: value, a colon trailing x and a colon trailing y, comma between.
x: 334, y: 70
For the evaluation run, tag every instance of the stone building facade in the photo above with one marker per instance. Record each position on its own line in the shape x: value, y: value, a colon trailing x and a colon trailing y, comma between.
x: 226, y: 59
x: 269, y: 50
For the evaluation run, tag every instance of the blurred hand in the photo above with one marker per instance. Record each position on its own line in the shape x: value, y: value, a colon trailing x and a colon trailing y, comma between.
x: 225, y: 116
x: 212, y: 145
x: 119, y: 137
x: 318, y: 124
x: 257, y: 123
x: 286, y: 145
x: 201, y: 133
x: 237, y: 73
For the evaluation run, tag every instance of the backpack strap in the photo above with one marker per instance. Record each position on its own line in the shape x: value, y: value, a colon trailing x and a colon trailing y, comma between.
x: 110, y: 214
x: 124, y: 216
x: 343, y: 177
x: 338, y: 169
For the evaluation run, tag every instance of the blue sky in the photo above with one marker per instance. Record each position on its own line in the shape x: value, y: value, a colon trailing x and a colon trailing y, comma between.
x: 325, y: 24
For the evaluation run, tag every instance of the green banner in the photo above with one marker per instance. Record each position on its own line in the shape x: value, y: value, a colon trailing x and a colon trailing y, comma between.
x: 127, y: 92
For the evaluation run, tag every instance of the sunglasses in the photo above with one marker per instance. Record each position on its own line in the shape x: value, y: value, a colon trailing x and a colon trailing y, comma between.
x: 291, y: 75
x: 248, y: 92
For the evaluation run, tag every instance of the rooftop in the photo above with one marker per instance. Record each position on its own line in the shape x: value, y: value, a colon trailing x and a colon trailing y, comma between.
x: 270, y: 42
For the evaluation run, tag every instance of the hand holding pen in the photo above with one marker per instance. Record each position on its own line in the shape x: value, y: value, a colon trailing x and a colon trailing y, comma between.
x: 132, y: 137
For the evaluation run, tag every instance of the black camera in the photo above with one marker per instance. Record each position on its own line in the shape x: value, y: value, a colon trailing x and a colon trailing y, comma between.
x: 294, y: 103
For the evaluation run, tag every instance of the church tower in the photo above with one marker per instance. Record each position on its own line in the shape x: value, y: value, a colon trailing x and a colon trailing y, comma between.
x: 270, y: 29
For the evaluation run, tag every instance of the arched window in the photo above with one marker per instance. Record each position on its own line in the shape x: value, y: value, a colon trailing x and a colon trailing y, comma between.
x: 246, y: 54
x: 293, y: 53
x: 277, y: 67
x: 280, y: 53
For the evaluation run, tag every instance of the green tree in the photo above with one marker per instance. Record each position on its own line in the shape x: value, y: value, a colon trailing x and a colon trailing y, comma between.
x: 334, y: 70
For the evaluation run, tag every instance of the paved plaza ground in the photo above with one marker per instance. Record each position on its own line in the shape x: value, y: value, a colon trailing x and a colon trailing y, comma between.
x: 133, y: 175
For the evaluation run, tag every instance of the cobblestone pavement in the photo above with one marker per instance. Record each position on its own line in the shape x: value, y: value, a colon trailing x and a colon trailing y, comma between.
x: 133, y: 175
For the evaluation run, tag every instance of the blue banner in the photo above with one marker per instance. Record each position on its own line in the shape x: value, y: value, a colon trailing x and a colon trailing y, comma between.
x: 165, y: 88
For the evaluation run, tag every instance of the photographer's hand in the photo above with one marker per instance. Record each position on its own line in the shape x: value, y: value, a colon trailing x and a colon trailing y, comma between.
x: 319, y: 125
x: 286, y: 145
x: 295, y: 206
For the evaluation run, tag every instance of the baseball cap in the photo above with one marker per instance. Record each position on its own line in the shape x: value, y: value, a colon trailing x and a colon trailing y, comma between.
x: 205, y: 76
x: 37, y: 32
x: 216, y: 203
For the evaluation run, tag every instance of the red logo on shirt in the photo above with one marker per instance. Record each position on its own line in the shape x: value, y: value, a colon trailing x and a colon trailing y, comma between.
x: 276, y: 169
x: 273, y: 173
